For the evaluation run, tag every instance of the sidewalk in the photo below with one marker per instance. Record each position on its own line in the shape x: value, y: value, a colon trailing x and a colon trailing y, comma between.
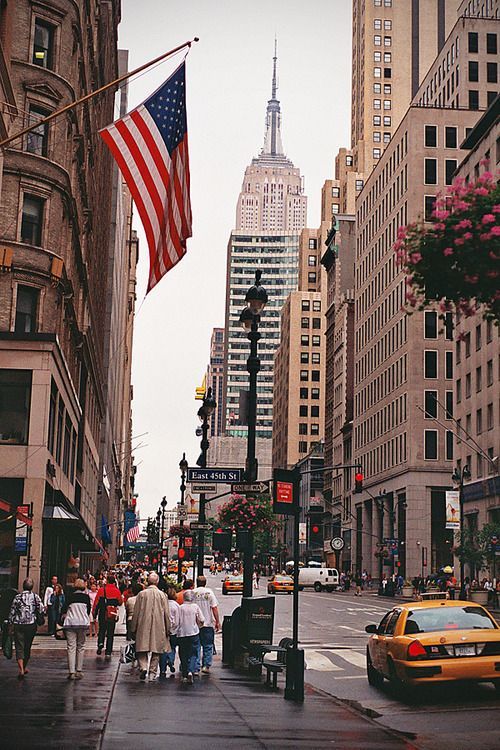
x: 113, y: 710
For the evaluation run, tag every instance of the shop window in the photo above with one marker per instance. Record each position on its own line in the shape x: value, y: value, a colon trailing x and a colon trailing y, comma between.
x: 15, y: 397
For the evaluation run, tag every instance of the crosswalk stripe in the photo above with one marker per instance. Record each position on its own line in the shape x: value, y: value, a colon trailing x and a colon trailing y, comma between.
x: 353, y: 657
x: 320, y: 662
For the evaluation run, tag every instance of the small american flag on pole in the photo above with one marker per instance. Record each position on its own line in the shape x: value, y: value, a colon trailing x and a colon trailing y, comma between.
x: 133, y: 533
x: 150, y: 146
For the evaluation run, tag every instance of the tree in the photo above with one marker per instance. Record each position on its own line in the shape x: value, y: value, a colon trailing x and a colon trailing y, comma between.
x: 454, y: 260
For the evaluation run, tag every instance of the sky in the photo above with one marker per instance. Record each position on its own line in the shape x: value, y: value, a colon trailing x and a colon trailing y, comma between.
x: 228, y: 85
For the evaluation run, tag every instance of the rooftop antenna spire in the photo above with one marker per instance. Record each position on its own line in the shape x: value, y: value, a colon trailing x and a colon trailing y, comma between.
x: 275, y: 58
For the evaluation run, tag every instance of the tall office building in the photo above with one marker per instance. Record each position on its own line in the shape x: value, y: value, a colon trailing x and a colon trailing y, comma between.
x: 270, y: 215
x: 215, y: 380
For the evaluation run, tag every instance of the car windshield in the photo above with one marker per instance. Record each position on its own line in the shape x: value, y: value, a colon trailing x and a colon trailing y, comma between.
x: 285, y: 579
x: 447, y: 618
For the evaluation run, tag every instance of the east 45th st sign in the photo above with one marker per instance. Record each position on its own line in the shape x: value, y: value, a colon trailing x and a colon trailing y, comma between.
x: 221, y: 476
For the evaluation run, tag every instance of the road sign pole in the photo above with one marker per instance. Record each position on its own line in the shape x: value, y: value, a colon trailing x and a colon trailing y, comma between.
x: 294, y: 689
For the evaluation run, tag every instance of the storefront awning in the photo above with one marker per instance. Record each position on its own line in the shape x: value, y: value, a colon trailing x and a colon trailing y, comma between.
x: 58, y: 513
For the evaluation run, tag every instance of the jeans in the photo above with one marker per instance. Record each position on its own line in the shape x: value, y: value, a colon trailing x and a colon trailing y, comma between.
x: 167, y: 659
x: 207, y: 637
x: 188, y: 652
x: 106, y: 631
x: 75, y: 642
x: 51, y: 620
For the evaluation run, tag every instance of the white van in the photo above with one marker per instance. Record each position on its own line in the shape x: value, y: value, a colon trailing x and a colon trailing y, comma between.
x: 318, y: 578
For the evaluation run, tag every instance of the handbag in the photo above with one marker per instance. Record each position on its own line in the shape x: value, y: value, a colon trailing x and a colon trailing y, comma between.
x: 127, y: 653
x: 6, y: 641
x: 111, y: 614
x: 59, y: 635
x: 39, y: 615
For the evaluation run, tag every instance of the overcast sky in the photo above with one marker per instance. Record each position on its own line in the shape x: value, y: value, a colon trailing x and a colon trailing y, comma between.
x: 228, y: 85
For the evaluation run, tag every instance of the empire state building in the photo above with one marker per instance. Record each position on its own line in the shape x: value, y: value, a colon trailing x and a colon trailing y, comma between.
x: 271, y: 212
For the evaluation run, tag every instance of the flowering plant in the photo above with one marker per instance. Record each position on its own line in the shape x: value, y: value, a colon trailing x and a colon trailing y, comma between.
x: 254, y: 513
x: 180, y: 530
x: 455, y: 260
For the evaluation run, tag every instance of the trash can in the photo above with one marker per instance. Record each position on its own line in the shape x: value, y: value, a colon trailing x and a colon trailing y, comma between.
x: 257, y: 621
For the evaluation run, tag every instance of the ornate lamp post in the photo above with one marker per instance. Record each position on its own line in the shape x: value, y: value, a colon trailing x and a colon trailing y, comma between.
x: 204, y: 413
x: 459, y: 476
x: 256, y: 299
x: 183, y: 466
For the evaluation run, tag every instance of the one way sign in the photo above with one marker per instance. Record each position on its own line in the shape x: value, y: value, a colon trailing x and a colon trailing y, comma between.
x: 257, y: 487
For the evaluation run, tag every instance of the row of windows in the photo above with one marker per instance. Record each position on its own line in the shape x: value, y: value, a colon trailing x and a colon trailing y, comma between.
x: 399, y: 152
x: 478, y: 381
x: 304, y: 411
x: 305, y: 429
x: 385, y: 456
x: 61, y: 439
x: 304, y: 340
x: 385, y: 419
x: 467, y: 430
x: 431, y: 361
x: 379, y: 23
x: 305, y: 322
x: 478, y: 340
x: 315, y: 358
x: 385, y: 382
x: 431, y: 443
x: 491, y: 72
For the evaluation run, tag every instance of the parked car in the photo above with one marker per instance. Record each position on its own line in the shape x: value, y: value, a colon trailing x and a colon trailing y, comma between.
x: 232, y: 585
x: 318, y: 578
x: 434, y: 641
x: 280, y: 584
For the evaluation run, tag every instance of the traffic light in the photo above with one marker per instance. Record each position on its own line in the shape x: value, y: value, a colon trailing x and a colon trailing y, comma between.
x: 181, y: 554
x: 358, y: 483
x: 221, y: 540
x: 315, y: 531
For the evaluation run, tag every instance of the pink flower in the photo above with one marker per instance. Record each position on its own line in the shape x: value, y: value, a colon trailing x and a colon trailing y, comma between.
x: 496, y: 208
x: 464, y: 224
x: 439, y: 226
x: 447, y: 251
x: 495, y: 231
x: 484, y: 162
x: 481, y: 191
x: 415, y: 257
x: 488, y: 219
x: 401, y: 233
x: 459, y: 241
x: 471, y: 279
x: 441, y: 214
x: 461, y: 205
x: 485, y: 236
x: 409, y: 280
x: 492, y: 274
x: 468, y: 236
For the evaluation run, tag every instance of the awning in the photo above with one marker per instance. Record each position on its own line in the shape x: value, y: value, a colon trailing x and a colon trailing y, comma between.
x: 58, y: 513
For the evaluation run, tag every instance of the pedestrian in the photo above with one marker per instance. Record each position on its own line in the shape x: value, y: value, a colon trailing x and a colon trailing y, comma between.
x: 57, y: 600
x: 49, y: 591
x: 187, y: 585
x: 190, y: 622
x: 76, y: 619
x: 25, y: 611
x: 151, y: 627
x: 208, y: 604
x: 167, y: 659
x: 358, y: 580
x: 92, y: 592
x: 105, y: 609
x: 135, y: 589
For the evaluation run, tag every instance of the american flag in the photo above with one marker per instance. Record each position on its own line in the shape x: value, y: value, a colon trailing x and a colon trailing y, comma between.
x: 133, y: 533
x: 150, y: 146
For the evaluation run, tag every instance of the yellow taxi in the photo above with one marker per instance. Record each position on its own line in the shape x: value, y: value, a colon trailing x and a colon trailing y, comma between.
x: 232, y: 585
x: 172, y: 567
x: 280, y: 584
x: 434, y: 641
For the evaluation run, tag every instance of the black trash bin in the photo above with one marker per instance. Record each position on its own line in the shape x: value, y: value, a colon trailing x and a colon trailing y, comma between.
x: 390, y: 588
x: 257, y: 620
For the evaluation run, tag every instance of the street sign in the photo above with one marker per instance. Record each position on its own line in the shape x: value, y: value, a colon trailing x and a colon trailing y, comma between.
x: 257, y: 487
x: 182, y: 513
x: 286, y: 491
x: 221, y: 476
x: 188, y: 541
x: 203, y: 488
x: 195, y: 526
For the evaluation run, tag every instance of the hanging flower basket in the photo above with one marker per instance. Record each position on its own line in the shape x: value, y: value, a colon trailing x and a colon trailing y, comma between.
x: 254, y: 513
x: 455, y: 259
x: 178, y: 530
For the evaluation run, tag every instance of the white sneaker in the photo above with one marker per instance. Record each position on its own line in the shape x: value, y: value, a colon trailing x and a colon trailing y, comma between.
x: 205, y: 670
x: 190, y: 678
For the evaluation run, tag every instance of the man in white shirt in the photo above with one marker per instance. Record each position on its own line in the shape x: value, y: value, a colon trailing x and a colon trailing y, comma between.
x: 51, y: 618
x: 207, y: 602
x: 167, y: 659
x: 188, y: 635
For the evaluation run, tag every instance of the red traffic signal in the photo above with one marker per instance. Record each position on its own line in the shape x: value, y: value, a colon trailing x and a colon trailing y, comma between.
x: 181, y: 553
x: 315, y: 529
x: 358, y: 482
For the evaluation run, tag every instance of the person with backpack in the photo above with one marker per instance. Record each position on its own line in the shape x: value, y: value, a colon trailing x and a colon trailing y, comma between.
x: 106, y: 605
x: 75, y: 614
x: 26, y: 612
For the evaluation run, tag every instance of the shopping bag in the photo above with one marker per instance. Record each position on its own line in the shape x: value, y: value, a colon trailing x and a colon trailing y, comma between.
x: 6, y: 643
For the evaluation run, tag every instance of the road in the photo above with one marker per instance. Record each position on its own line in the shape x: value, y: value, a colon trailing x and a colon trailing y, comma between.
x: 332, y: 634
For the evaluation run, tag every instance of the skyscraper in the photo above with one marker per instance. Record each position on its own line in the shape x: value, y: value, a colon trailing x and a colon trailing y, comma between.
x: 270, y: 215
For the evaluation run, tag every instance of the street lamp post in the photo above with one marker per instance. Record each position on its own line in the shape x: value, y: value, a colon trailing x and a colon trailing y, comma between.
x: 458, y: 476
x: 158, y: 533
x: 163, y: 506
x: 256, y: 299
x: 204, y: 412
x: 183, y: 466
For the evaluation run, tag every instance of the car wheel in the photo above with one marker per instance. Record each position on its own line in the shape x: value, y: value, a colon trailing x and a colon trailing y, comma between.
x: 496, y: 684
x: 398, y: 686
x: 301, y: 588
x: 374, y: 677
x: 329, y: 589
x: 224, y: 592
x: 318, y: 586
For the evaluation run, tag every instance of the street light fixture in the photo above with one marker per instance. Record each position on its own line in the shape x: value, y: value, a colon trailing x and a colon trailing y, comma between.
x: 183, y: 466
x: 459, y: 476
x: 256, y: 299
x: 204, y: 412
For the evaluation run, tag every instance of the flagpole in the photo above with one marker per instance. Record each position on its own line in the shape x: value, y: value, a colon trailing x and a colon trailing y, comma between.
x: 85, y: 98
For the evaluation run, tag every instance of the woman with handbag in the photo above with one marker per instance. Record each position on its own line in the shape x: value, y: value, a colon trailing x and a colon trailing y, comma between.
x: 75, y: 614
x: 26, y: 612
x: 106, y: 605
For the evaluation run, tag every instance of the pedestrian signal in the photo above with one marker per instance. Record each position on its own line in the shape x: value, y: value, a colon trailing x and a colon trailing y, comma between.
x: 181, y: 553
x: 358, y: 483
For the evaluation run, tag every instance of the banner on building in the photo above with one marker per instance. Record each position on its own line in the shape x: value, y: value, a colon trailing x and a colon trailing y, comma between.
x: 302, y: 533
x: 21, y: 540
x: 452, y: 509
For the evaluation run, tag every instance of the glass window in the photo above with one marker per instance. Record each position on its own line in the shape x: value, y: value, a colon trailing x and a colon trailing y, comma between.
x: 391, y: 625
x: 431, y: 445
x: 387, y: 88
x: 489, y: 372
x: 377, y: 103
x: 43, y: 48
x: 31, y: 222
x: 468, y: 617
x: 377, y: 136
x: 26, y: 308
x: 473, y: 99
x: 449, y: 405
x: 304, y: 323
x: 467, y: 344
x: 377, y: 23
x: 377, y: 40
x: 314, y: 411
x: 479, y: 379
x: 15, y: 397
x: 450, y: 137
x: 449, y: 365
x: 489, y: 417
x: 490, y: 97
x: 430, y: 364
x: 387, y: 121
x: 479, y: 421
x: 315, y: 429
x: 335, y: 208
x: 349, y: 161
x: 492, y: 72
x: 37, y: 139
x: 315, y: 376
x: 315, y: 393
x: 311, y: 277
x: 491, y: 44
x: 316, y: 340
x: 430, y: 405
x: 473, y: 41
x: 359, y: 184
x: 315, y: 357
x: 306, y: 305
x: 304, y: 393
x: 304, y: 375
x: 311, y: 261
x: 377, y: 72
x: 473, y: 71
x: 304, y: 340
x: 387, y: 57
x: 387, y: 103
x: 430, y: 136
x: 387, y: 137
x: 316, y: 323
x: 377, y: 88
x: 478, y: 337
x: 449, y: 445
x: 52, y: 416
x: 387, y: 72
x: 313, y: 245
x: 302, y: 446
x: 376, y: 153
x: 303, y: 410
x: 430, y: 171
x: 377, y: 120
x: 450, y: 167
x: 468, y: 381
x: 335, y: 192
x: 430, y: 325
x: 302, y: 428
x: 429, y: 201
x: 387, y: 24
x: 377, y: 57
x: 448, y: 326
x: 316, y: 305
x: 304, y: 358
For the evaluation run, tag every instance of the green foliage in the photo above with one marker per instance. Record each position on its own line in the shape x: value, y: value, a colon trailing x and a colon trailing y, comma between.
x: 255, y: 514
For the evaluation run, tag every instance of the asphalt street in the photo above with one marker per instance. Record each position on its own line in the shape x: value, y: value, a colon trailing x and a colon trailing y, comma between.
x: 332, y: 634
